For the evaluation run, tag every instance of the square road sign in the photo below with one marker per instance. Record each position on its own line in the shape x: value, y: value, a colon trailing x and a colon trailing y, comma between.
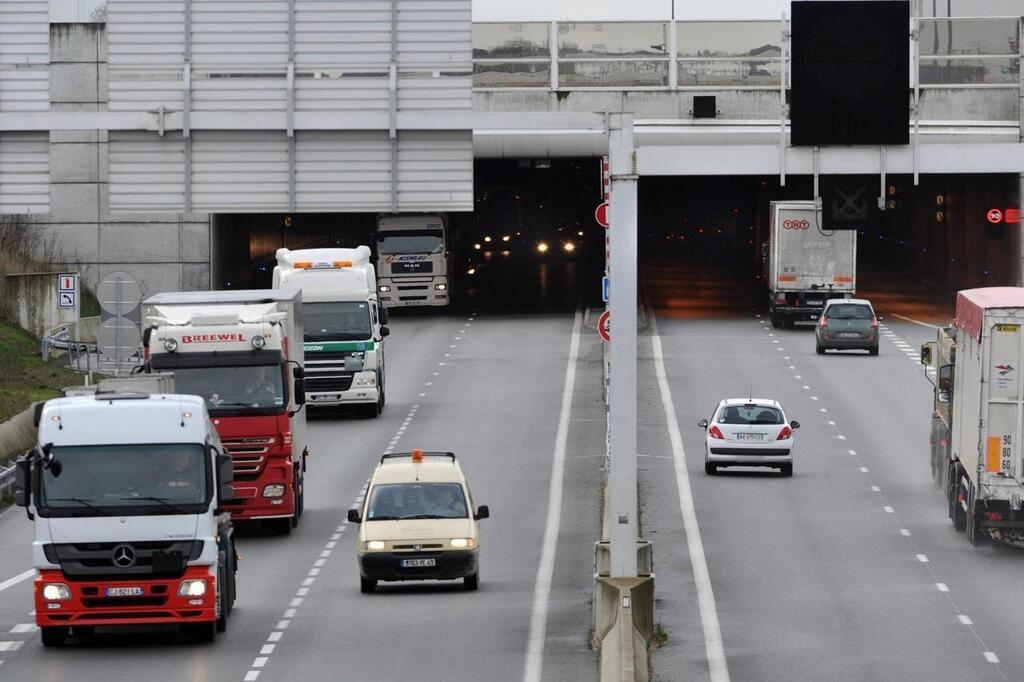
x: 66, y: 299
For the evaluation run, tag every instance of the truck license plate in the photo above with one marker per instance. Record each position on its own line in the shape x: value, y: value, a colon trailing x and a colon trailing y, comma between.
x: 124, y: 592
x: 327, y: 397
x: 418, y: 563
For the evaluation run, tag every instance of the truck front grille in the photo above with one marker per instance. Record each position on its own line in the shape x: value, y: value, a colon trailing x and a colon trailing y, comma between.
x: 84, y: 561
x: 337, y: 384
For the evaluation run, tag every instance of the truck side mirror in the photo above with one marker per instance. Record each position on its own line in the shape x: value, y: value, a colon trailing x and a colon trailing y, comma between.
x: 22, y: 482
x: 384, y: 317
x: 926, y: 354
x: 384, y: 331
x: 482, y: 512
x: 354, y: 516
x: 225, y: 468
x: 300, y: 391
x: 299, y: 372
x: 946, y: 378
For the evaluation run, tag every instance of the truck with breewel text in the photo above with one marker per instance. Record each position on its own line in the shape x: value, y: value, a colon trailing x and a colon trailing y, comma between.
x: 414, y: 260
x: 981, y: 385
x: 127, y: 493
x: 242, y: 352
x: 804, y: 265
x: 344, y: 325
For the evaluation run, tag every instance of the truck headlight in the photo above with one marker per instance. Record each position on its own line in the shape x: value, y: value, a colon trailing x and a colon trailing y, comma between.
x: 385, y: 288
x: 367, y: 381
x: 56, y: 592
x: 374, y: 545
x: 170, y: 345
x: 462, y: 543
x: 441, y: 287
x: 273, y: 490
x: 192, y: 588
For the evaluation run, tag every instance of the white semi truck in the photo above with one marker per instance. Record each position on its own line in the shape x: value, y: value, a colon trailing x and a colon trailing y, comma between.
x: 805, y: 265
x: 127, y: 492
x: 345, y: 325
x: 242, y: 352
x: 985, y: 393
x: 414, y: 256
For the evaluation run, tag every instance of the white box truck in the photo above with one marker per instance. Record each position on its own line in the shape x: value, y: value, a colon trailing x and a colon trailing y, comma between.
x: 127, y: 493
x: 414, y: 259
x: 986, y: 473
x: 805, y: 265
x: 345, y: 325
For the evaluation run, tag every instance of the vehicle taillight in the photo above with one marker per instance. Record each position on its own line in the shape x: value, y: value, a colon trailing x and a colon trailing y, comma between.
x: 780, y: 298
x: 714, y: 432
x: 874, y: 322
x: 785, y: 433
x: 823, y: 322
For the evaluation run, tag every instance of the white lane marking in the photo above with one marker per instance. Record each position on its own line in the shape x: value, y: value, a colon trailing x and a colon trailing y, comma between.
x: 823, y: 409
x: 888, y: 509
x: 24, y: 627
x: 830, y: 422
x: 423, y: 395
x: 289, y: 613
x: 11, y: 582
x: 923, y: 558
x: 864, y: 470
x: 792, y: 367
x: 545, y: 570
x: 991, y: 657
x: 905, y: 532
x: 296, y: 602
x: 10, y: 646
x: 308, y: 581
x: 302, y: 591
x: 435, y: 374
x: 942, y: 587
x: 852, y: 452
x: 875, y: 489
x: 966, y: 620
x: 252, y: 676
x: 798, y: 377
x: 717, y: 663
x: 282, y: 624
x: 786, y: 357
x: 267, y: 649
x: 814, y: 397
x: 259, y: 662
x: 841, y: 437
x: 910, y: 319
x: 807, y: 388
x: 275, y: 637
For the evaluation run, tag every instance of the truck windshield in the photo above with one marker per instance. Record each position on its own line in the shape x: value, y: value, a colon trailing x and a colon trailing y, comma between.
x: 397, y: 501
x: 337, y: 321
x: 234, y: 389
x: 410, y: 241
x: 100, y: 480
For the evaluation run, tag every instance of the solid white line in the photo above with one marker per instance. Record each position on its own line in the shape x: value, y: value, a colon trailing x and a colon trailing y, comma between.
x: 11, y: 582
x: 717, y: 664
x: 545, y: 570
x: 910, y: 319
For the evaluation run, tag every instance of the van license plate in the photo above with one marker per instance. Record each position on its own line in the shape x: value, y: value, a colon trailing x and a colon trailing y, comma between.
x: 418, y: 563
x: 124, y: 592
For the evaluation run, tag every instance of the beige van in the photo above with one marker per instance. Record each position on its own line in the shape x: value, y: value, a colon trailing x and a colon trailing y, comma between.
x: 418, y: 522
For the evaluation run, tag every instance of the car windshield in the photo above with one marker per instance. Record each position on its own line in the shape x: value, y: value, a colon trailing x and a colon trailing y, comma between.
x: 750, y: 414
x: 849, y: 311
x: 410, y: 241
x: 337, y: 321
x: 93, y: 478
x: 396, y: 501
x: 258, y: 387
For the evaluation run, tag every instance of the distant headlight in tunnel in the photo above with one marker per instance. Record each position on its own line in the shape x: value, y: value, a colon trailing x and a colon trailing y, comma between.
x: 542, y: 247
x: 471, y: 271
x: 476, y: 246
x: 569, y: 247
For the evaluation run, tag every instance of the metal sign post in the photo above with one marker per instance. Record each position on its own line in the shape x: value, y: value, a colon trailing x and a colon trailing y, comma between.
x: 622, y: 477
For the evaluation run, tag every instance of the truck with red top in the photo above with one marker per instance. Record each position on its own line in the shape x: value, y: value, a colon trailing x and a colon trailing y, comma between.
x: 242, y: 352
x: 127, y: 493
x: 980, y: 383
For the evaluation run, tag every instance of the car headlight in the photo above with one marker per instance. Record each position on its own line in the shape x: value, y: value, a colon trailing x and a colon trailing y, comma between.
x: 374, y: 545
x: 367, y: 381
x: 170, y: 345
x: 56, y: 592
x: 440, y: 287
x: 385, y: 288
x: 462, y: 543
x: 192, y: 588
x: 273, y: 490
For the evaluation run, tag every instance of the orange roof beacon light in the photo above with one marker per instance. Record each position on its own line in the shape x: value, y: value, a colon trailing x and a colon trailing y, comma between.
x: 342, y: 263
x: 303, y: 265
x: 417, y: 455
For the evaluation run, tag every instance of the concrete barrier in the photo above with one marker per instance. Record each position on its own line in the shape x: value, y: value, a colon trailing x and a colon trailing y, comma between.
x: 624, y: 626
x: 32, y: 302
x: 17, y: 435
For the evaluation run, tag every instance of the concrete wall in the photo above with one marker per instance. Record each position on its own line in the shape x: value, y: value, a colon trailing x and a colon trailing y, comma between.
x: 30, y: 300
x: 165, y: 252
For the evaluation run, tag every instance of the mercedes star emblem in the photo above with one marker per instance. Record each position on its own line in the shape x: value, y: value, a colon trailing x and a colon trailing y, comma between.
x: 124, y: 556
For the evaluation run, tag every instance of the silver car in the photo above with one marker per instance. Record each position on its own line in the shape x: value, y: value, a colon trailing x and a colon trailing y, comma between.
x: 748, y: 432
x: 847, y: 323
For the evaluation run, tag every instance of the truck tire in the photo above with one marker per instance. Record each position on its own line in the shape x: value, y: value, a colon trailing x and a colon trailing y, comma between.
x: 299, y: 486
x: 951, y: 477
x: 283, y: 526
x: 203, y: 632
x: 54, y: 636
x: 975, y: 535
x: 959, y: 513
x: 775, y: 319
x: 372, y: 410
x: 222, y: 598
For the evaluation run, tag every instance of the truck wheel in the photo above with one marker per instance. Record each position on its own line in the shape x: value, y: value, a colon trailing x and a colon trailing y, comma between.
x: 372, y: 410
x: 54, y: 636
x: 775, y: 319
x: 283, y: 526
x: 959, y: 513
x: 951, y: 477
x: 974, y: 533
x: 367, y: 585
x: 203, y: 632
x: 299, y: 495
x: 222, y: 600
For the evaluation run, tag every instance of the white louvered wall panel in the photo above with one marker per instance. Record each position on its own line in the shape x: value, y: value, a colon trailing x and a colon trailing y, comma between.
x: 24, y: 173
x: 234, y: 94
x: 144, y: 92
x: 448, y: 93
x: 147, y: 172
x: 239, y: 34
x: 349, y: 35
x: 342, y: 94
x: 24, y: 55
x: 435, y: 34
x: 343, y: 171
x: 239, y: 171
x: 435, y: 170
x: 146, y: 48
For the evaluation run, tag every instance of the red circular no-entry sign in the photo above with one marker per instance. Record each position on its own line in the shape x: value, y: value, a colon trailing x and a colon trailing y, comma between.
x: 601, y: 214
x: 603, y: 327
x: 995, y: 216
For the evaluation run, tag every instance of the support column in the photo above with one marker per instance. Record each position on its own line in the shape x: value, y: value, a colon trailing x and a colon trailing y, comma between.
x: 622, y: 478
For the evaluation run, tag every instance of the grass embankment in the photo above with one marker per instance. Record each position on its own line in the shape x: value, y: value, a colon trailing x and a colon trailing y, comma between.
x: 24, y: 377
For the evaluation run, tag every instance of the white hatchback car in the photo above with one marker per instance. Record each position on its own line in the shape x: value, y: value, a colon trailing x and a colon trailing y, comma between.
x: 748, y: 432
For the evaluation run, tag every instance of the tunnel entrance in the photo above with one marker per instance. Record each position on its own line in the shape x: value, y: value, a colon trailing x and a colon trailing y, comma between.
x: 530, y: 244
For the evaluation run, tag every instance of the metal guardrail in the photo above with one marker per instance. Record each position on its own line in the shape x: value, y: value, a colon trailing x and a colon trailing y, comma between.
x: 7, y: 482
